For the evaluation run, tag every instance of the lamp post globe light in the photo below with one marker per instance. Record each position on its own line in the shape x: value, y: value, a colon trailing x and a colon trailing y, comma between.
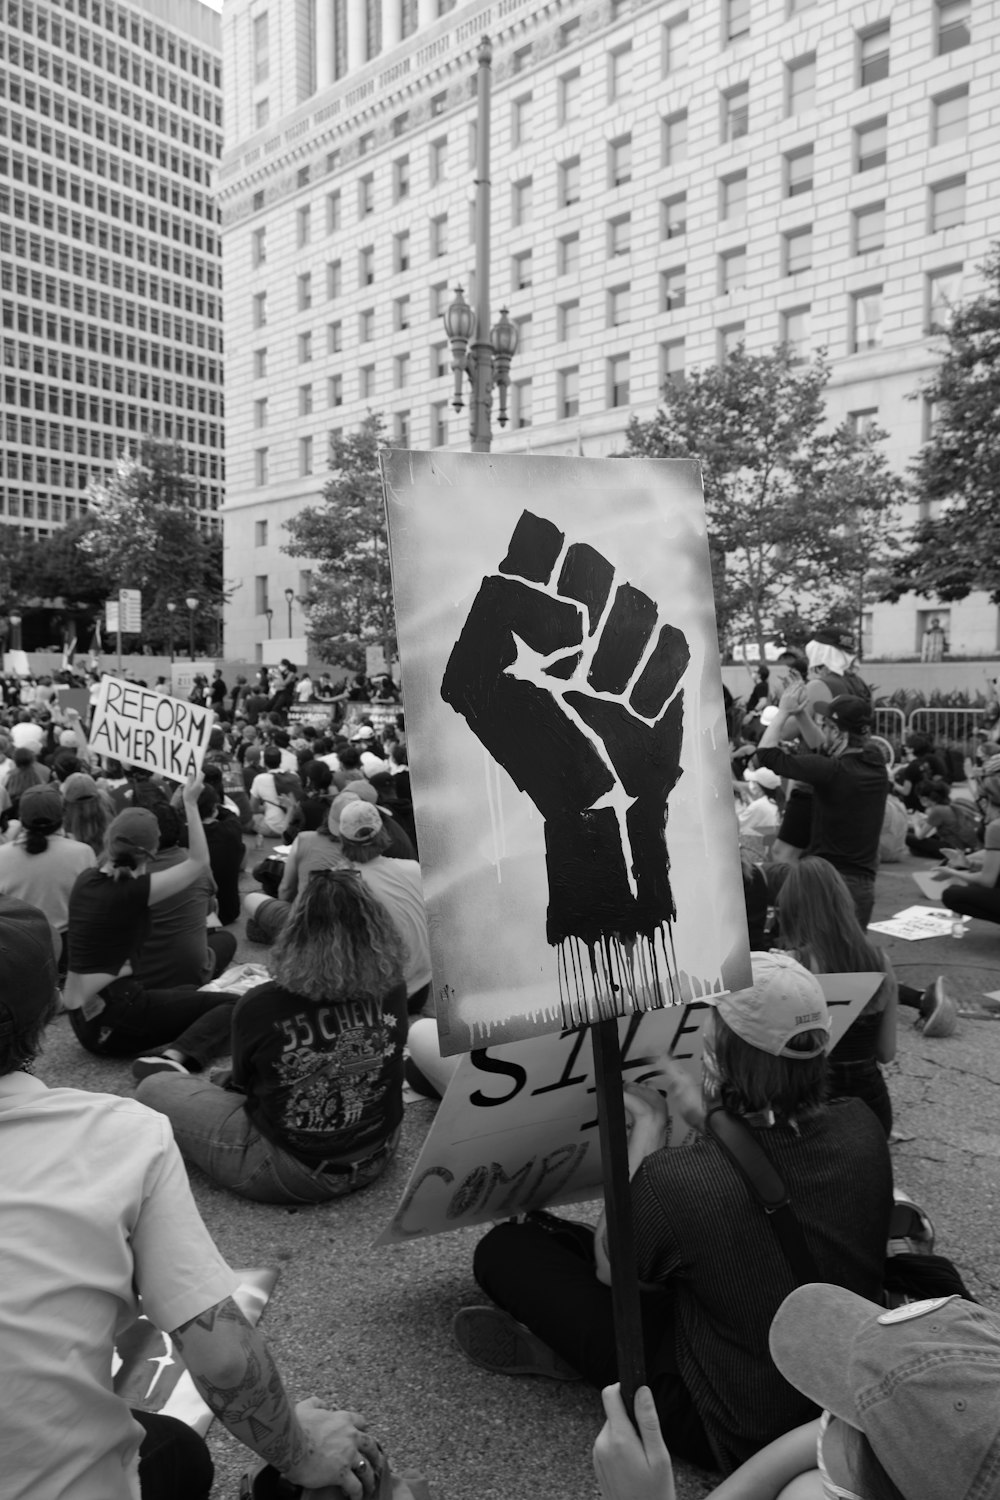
x: 269, y: 616
x: 15, y: 630
x: 289, y: 600
x: 171, y: 611
x: 192, y: 604
x: 486, y: 360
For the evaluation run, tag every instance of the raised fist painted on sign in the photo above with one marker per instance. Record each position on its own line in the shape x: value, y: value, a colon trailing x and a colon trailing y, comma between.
x: 572, y: 685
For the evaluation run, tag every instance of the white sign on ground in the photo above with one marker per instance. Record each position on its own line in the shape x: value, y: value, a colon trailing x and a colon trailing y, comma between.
x: 143, y: 728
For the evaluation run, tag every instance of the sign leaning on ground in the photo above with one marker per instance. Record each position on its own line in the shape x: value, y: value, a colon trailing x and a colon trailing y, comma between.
x: 142, y: 728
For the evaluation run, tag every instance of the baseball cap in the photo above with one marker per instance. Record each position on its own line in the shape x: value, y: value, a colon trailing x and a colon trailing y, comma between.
x: 784, y: 1001
x: 852, y: 714
x: 366, y: 732
x: 360, y: 822
x: 134, y: 831
x: 67, y: 738
x: 362, y: 789
x: 78, y: 787
x: 40, y: 807
x: 27, y: 964
x: 920, y: 1381
x: 761, y: 776
x: 337, y: 806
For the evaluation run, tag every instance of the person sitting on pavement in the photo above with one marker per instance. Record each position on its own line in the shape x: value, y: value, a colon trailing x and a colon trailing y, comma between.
x: 922, y: 764
x: 941, y: 823
x: 226, y: 852
x: 976, y: 888
x: 850, y: 785
x: 42, y: 863
x: 313, y: 1106
x: 273, y: 794
x: 702, y: 1241
x: 98, y: 1213
x: 760, y: 814
x: 908, y: 1398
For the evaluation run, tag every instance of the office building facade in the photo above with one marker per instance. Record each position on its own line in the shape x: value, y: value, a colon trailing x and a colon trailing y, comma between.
x: 667, y: 180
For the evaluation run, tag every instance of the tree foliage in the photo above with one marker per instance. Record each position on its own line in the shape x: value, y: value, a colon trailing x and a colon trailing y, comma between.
x: 800, y: 515
x: 959, y: 550
x: 349, y: 605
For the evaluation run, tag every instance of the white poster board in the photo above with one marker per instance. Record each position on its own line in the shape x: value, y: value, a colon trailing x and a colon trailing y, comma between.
x: 141, y: 727
x: 517, y: 1128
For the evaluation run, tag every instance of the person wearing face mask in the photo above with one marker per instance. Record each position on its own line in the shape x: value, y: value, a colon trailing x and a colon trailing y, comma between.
x: 849, y: 780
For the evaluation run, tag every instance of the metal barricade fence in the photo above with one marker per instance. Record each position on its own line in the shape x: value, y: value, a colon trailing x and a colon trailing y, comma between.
x: 946, y: 726
x: 890, y: 723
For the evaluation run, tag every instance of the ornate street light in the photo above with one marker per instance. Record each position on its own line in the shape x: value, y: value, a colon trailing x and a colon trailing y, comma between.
x: 15, y: 631
x: 192, y: 604
x: 289, y: 597
x: 269, y: 616
x: 171, y: 611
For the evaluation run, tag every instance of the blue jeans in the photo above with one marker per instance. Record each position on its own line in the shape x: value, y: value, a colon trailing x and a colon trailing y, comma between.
x: 213, y: 1130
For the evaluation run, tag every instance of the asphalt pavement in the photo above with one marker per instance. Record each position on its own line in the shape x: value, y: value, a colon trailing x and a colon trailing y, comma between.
x: 371, y: 1329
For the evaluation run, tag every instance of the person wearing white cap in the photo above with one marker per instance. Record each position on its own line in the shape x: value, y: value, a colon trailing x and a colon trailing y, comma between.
x: 761, y: 814
x: 702, y: 1240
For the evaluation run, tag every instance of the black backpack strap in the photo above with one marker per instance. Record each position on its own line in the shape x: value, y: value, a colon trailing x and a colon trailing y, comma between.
x: 746, y: 1154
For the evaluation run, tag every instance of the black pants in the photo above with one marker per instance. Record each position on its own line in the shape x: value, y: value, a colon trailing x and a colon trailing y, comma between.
x: 981, y: 901
x: 545, y: 1278
x: 135, y: 1021
x: 174, y: 1462
x: 863, y: 1080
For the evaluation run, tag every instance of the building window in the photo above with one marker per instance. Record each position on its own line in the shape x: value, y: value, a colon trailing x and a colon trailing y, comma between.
x: 401, y: 251
x: 439, y: 424
x: 737, y: 19
x: 366, y: 196
x: 672, y: 362
x: 873, y: 54
x: 260, y: 540
x: 437, y: 160
x: 440, y: 360
x: 335, y: 390
x: 521, y: 199
x: 525, y: 335
x: 795, y: 333
x: 439, y: 103
x: 522, y: 119
x: 798, y: 171
x: 620, y: 162
x: 259, y: 309
x: 797, y: 251
x: 732, y: 270
x: 521, y: 403
x: 440, y: 298
x: 259, y: 364
x: 260, y: 412
x: 567, y: 322
x: 334, y: 337
x: 733, y: 198
x: 619, y: 74
x: 401, y: 429
x: 261, y: 48
x: 521, y: 270
x: 568, y: 255
x: 401, y: 314
x: 302, y: 226
x: 673, y: 217
x: 620, y: 235
x: 305, y: 347
x: 618, y: 369
x: 305, y: 455
x: 736, y: 112
x: 333, y: 280
x: 869, y: 228
x: 366, y: 143
x: 862, y: 421
x: 304, y: 291
x: 675, y: 139
x: 618, y: 306
x: 366, y: 265
x: 870, y: 143
x: 258, y: 247
x: 366, y: 382
x: 675, y: 44
x: 260, y: 466
x: 950, y: 116
x: 521, y: 60
x: 673, y: 289
x: 260, y: 582
x: 305, y: 400
x: 366, y: 325
x: 944, y: 292
x: 801, y: 85
x: 400, y: 178
x: 728, y: 340
x: 568, y: 393
x: 333, y: 212
x: 439, y: 236
x: 866, y: 320
x: 569, y: 32
x: 569, y: 93
x: 569, y: 182
x: 947, y: 205
x: 261, y: 113
x: 400, y: 124
x: 401, y: 372
x: 953, y: 25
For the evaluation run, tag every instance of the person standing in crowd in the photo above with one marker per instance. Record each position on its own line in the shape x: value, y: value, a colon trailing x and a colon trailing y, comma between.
x: 849, y: 780
x: 719, y: 1271
x: 76, y: 1262
x: 796, y: 821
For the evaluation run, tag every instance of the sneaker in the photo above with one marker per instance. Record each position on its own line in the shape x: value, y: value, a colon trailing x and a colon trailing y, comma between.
x: 495, y: 1341
x: 145, y: 1067
x: 938, y: 1009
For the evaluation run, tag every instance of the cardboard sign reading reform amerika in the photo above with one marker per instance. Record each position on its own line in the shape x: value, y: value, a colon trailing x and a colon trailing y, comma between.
x: 142, y: 728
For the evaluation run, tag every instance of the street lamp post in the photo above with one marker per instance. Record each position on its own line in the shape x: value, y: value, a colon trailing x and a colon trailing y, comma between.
x: 192, y: 604
x: 15, y: 632
x: 269, y: 616
x: 484, y: 358
x: 289, y: 597
x: 171, y: 611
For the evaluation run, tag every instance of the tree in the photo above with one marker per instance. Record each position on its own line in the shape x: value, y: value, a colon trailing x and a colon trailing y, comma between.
x: 959, y: 550
x: 795, y: 509
x: 349, y: 604
x: 143, y: 532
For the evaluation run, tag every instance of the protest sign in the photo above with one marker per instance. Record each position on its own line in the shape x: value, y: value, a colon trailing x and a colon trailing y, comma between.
x: 567, y: 738
x: 916, y: 922
x: 140, y: 727
x: 517, y: 1128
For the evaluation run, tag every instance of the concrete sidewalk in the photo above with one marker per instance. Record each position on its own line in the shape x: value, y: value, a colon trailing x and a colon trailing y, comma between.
x: 370, y: 1329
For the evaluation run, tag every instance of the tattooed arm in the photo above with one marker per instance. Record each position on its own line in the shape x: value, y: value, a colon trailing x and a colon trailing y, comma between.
x: 235, y: 1373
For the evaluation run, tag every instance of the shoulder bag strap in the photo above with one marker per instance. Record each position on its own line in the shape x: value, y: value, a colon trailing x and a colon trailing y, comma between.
x: 746, y: 1154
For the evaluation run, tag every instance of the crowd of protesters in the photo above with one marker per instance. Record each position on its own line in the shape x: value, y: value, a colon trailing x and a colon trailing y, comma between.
x: 119, y: 896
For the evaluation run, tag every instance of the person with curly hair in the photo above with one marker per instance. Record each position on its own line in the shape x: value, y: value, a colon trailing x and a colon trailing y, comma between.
x: 87, y: 810
x: 313, y: 1105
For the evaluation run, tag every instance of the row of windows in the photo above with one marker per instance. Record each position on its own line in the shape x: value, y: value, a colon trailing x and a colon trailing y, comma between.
x: 24, y: 91
x: 79, y: 153
x: 40, y: 174
x: 39, y: 22
x: 36, y: 209
x: 951, y: 26
x: 113, y: 414
x: 136, y: 351
x: 71, y: 294
x: 84, y: 265
x: 49, y: 65
x: 68, y: 403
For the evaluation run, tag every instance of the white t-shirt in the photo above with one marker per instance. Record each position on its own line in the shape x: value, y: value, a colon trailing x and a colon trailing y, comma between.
x: 397, y: 884
x: 275, y: 813
x: 759, y: 816
x: 45, y: 880
x: 81, y: 1229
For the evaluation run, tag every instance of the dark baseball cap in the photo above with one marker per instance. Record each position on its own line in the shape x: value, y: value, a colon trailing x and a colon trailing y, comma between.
x: 27, y: 965
x: 852, y: 714
x: 40, y: 807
